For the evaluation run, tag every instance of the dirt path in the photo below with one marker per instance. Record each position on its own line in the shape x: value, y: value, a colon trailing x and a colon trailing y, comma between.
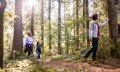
x: 62, y: 65
x: 81, y: 66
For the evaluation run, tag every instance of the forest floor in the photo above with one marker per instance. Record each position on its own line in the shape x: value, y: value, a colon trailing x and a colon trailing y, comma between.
x: 82, y: 67
x: 61, y: 65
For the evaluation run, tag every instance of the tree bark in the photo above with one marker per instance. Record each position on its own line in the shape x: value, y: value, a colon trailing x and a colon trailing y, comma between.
x: 86, y: 15
x: 66, y: 29
x: 49, y: 22
x: 18, y: 28
x: 113, y: 28
x: 112, y: 15
x: 32, y: 20
x: 42, y: 25
x: 2, y: 9
x: 77, y: 28
x: 59, y: 27
x: 74, y: 13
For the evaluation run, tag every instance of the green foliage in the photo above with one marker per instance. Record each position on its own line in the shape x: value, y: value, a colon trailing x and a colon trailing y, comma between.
x: 71, y: 57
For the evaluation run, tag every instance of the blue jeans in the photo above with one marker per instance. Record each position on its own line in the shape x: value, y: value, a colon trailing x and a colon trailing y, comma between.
x: 38, y: 52
x: 38, y: 56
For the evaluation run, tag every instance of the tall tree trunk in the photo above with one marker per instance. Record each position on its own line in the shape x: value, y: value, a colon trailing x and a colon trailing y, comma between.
x: 59, y: 27
x: 65, y: 22
x: 112, y: 15
x: 86, y: 15
x: 113, y: 27
x: 49, y: 22
x: 18, y: 28
x: 77, y: 28
x: 87, y: 24
x: 2, y: 9
x: 42, y: 25
x: 32, y: 20
x: 74, y: 12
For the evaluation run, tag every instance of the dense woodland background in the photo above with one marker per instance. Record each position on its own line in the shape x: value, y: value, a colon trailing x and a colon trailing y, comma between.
x: 60, y: 25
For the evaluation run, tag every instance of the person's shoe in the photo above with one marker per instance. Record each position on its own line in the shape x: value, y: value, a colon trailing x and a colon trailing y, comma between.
x: 94, y: 59
x: 85, y: 58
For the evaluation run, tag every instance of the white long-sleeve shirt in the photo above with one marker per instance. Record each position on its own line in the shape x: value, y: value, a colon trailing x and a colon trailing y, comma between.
x: 93, y: 28
x: 29, y: 40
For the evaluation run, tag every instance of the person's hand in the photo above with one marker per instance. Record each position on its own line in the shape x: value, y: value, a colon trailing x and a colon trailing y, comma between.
x: 107, y: 20
x: 90, y: 39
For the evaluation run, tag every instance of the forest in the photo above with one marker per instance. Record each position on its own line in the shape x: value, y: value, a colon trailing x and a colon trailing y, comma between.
x: 61, y: 29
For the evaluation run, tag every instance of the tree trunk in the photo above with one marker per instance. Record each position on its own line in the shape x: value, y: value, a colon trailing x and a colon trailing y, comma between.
x: 112, y: 15
x: 66, y: 29
x: 77, y: 28
x: 87, y: 24
x: 113, y: 27
x: 59, y: 27
x: 86, y: 15
x: 2, y: 9
x: 42, y: 25
x: 18, y: 28
x: 32, y: 20
x: 49, y: 22
x: 74, y: 12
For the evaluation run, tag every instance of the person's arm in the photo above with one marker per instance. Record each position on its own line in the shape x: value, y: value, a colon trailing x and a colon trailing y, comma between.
x: 90, y: 31
x: 104, y: 23
x: 26, y: 40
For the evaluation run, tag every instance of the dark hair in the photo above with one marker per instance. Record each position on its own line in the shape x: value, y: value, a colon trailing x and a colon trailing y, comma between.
x: 38, y: 43
x: 94, y: 16
x: 29, y: 33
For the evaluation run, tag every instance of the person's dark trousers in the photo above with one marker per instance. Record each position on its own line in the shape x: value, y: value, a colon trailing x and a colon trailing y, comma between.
x: 38, y: 52
x: 30, y: 47
x: 93, y: 49
x: 38, y: 56
x: 26, y: 48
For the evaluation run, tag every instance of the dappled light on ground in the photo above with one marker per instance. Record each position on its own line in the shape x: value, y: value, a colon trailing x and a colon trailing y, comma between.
x: 18, y: 66
x: 53, y: 65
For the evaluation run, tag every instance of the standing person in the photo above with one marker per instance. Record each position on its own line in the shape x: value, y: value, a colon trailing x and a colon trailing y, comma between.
x: 29, y: 43
x: 94, y: 34
x: 38, y: 50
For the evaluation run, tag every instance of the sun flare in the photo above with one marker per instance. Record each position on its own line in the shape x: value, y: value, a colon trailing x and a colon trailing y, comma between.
x: 30, y: 3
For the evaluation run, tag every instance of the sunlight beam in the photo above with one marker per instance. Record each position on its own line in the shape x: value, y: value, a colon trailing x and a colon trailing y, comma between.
x: 30, y: 3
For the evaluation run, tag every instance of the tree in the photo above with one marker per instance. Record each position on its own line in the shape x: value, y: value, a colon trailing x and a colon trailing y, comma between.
x: 59, y: 26
x: 2, y: 9
x: 66, y: 28
x: 113, y: 27
x: 18, y: 27
x: 49, y: 22
x: 112, y: 15
x: 77, y: 26
x: 32, y: 19
x: 42, y: 25
x: 86, y: 15
x: 74, y: 12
